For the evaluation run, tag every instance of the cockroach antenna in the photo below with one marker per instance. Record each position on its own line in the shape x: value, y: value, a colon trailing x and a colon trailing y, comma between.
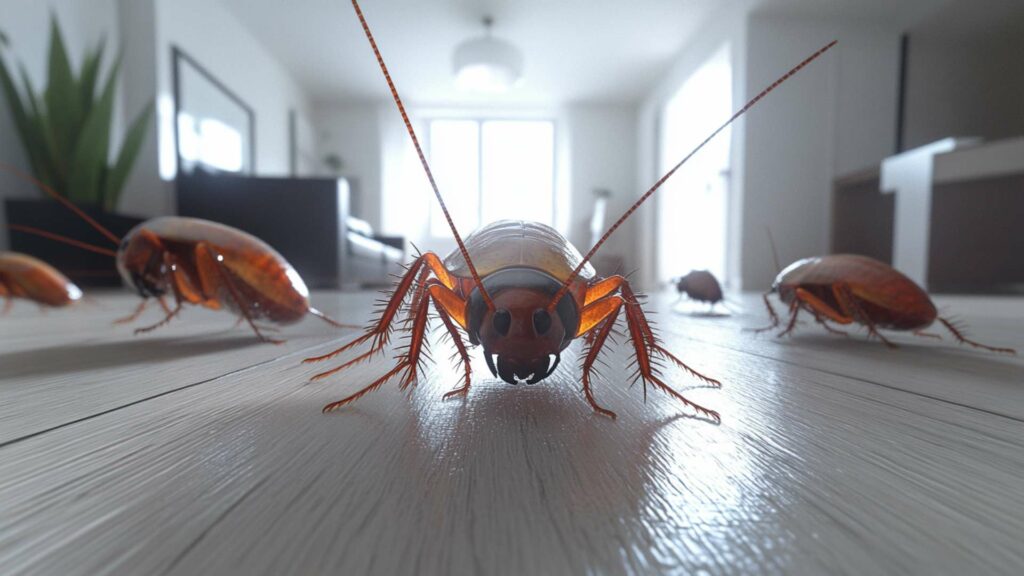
x: 67, y: 203
x: 568, y: 282
x: 775, y: 252
x: 423, y: 158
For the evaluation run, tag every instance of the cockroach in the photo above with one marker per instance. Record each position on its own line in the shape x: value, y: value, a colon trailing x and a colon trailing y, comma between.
x: 520, y: 290
x: 848, y: 289
x: 29, y: 278
x: 200, y: 263
x: 700, y: 285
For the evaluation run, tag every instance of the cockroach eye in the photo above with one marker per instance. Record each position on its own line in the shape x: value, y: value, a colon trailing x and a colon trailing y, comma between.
x: 502, y: 321
x: 541, y: 321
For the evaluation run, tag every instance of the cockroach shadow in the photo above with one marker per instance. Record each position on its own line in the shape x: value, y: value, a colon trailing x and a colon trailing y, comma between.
x: 70, y: 358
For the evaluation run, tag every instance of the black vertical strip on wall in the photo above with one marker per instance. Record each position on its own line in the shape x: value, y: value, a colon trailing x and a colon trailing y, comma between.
x: 901, y: 102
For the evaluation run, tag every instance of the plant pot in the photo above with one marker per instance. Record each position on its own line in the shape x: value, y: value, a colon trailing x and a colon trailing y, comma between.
x: 81, y: 266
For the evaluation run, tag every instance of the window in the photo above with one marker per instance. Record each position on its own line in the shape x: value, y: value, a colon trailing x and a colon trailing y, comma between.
x: 491, y: 170
x: 693, y: 204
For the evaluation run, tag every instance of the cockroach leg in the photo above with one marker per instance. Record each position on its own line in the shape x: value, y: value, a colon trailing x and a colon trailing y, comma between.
x: 849, y: 302
x: 794, y: 311
x: 138, y: 312
x: 380, y: 332
x: 595, y: 342
x: 824, y: 324
x: 409, y: 361
x: 8, y: 304
x: 924, y: 334
x: 170, y: 315
x: 958, y: 334
x: 601, y: 315
x: 771, y: 313
x: 163, y: 304
x: 462, y: 351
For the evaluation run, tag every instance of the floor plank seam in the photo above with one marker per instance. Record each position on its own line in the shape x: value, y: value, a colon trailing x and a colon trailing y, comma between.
x: 855, y: 378
x: 155, y: 396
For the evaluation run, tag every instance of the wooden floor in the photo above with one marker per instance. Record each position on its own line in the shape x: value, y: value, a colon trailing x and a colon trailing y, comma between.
x: 195, y: 449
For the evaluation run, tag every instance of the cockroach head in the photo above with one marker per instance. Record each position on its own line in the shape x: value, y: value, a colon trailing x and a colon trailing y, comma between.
x: 140, y: 261
x: 522, y: 340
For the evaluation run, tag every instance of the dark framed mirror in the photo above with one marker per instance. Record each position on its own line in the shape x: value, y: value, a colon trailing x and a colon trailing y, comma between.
x: 214, y: 128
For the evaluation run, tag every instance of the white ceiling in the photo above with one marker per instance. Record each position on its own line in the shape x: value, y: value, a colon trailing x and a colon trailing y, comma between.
x: 575, y: 50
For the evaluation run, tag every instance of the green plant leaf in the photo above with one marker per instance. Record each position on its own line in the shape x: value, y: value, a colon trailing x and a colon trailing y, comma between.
x: 89, y: 160
x: 62, y: 104
x: 87, y: 81
x: 118, y: 174
x: 14, y: 102
x: 42, y: 146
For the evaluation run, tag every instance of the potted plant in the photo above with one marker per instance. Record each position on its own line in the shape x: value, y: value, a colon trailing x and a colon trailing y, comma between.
x: 65, y: 131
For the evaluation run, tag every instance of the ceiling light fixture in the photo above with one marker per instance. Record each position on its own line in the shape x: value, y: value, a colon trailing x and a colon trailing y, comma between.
x: 486, y: 64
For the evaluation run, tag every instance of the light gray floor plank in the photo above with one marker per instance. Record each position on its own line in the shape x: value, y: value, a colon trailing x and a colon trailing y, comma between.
x: 65, y: 365
x: 830, y: 458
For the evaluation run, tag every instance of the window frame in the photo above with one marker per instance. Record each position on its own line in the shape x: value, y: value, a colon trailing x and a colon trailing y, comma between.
x: 480, y: 119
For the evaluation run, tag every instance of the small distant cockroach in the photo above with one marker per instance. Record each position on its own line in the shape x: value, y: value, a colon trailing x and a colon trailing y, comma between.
x: 700, y: 285
x: 22, y: 276
x: 520, y: 290
x: 848, y: 289
x: 201, y: 263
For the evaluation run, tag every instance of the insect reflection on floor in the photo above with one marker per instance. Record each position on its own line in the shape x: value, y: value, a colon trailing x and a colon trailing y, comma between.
x: 522, y: 292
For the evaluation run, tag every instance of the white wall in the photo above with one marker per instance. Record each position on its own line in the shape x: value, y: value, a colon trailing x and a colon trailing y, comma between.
x: 353, y: 132
x: 602, y: 144
x: 27, y: 24
x: 728, y: 26
x: 837, y: 115
x: 212, y: 36
x: 145, y: 30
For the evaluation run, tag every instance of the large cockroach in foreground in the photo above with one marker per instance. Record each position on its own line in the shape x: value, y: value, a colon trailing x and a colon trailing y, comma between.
x: 522, y: 292
x: 848, y: 289
x: 200, y: 263
x: 28, y: 278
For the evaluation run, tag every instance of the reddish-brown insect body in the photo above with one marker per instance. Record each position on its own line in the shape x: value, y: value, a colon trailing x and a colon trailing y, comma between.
x: 208, y: 264
x: 200, y: 263
x: 847, y: 289
x: 521, y: 291
x: 700, y: 285
x: 22, y: 276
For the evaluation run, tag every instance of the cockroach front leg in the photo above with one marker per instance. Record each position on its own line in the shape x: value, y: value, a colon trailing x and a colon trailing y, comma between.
x: 771, y: 314
x: 601, y: 315
x: 135, y: 315
x: 408, y: 361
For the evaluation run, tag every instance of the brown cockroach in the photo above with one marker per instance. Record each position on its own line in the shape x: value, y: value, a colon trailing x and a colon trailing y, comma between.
x: 29, y: 278
x: 522, y: 291
x: 700, y: 285
x: 848, y: 289
x: 201, y: 263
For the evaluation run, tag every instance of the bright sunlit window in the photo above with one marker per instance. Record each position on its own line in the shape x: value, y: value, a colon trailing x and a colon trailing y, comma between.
x: 210, y: 142
x: 692, y: 207
x: 492, y: 170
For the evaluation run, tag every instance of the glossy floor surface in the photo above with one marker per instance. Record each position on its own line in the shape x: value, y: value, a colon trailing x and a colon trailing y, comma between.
x: 195, y: 449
